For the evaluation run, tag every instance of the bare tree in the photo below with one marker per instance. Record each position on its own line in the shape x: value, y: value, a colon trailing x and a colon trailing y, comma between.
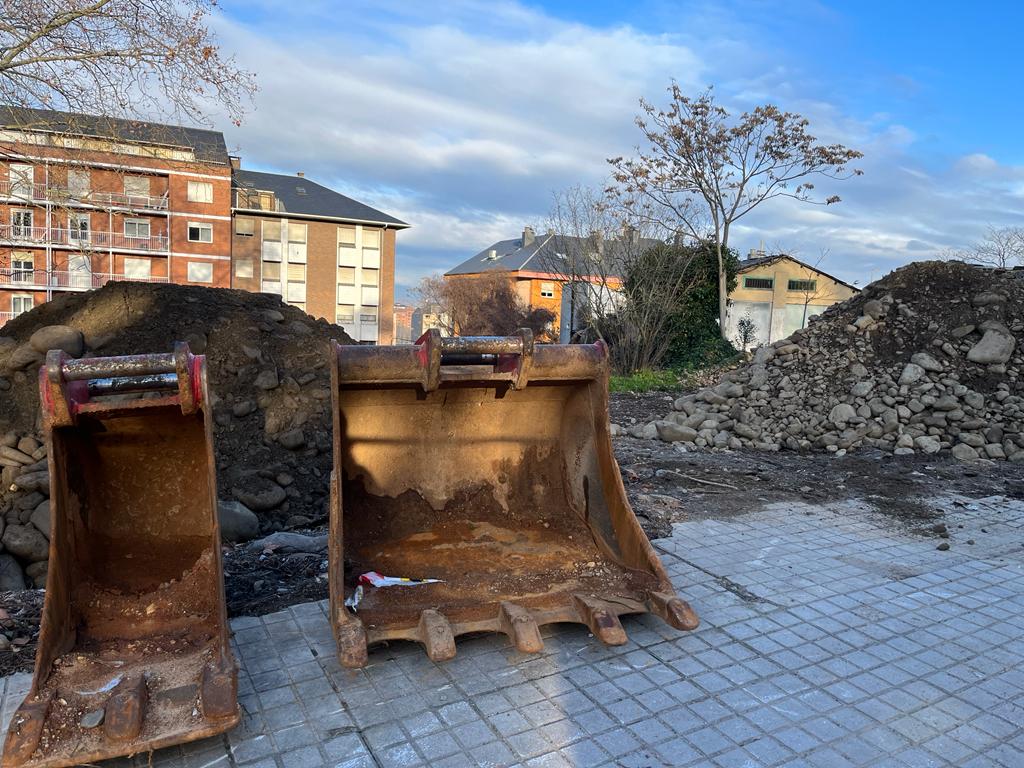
x: 1000, y: 247
x: 117, y: 58
x: 704, y: 170
x: 589, y: 249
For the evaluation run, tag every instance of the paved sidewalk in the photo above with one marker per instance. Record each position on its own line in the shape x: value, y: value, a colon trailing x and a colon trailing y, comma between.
x: 830, y: 637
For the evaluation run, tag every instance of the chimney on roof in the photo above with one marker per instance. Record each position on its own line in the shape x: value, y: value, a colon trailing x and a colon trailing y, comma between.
x: 596, y: 242
x: 301, y: 174
x: 756, y: 253
x: 528, y: 236
x: 236, y: 162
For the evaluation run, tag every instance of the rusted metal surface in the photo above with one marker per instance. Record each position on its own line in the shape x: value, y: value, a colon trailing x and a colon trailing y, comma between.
x: 134, y: 632
x: 487, y: 464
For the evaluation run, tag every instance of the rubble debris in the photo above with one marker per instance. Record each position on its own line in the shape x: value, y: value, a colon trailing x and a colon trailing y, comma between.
x: 288, y: 542
x: 924, y: 361
x: 353, y: 600
x: 374, y: 579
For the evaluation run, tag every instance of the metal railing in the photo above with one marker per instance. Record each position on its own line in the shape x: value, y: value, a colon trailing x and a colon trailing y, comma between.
x: 39, y: 279
x: 86, y: 241
x: 43, y: 193
x: 5, y: 317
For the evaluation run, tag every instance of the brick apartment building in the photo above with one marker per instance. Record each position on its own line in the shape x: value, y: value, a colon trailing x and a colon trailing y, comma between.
x: 85, y: 200
x: 329, y: 254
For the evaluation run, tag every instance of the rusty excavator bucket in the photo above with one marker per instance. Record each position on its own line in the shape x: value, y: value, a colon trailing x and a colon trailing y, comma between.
x: 133, y: 647
x: 484, y: 463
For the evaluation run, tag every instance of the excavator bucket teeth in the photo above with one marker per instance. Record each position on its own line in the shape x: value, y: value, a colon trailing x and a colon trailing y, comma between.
x: 480, y: 469
x: 134, y: 647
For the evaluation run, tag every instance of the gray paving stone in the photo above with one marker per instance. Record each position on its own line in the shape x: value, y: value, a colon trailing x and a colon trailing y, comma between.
x: 842, y: 665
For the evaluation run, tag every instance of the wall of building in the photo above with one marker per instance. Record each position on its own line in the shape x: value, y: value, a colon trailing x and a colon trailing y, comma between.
x: 337, y: 274
x: 780, y: 310
x: 100, y: 215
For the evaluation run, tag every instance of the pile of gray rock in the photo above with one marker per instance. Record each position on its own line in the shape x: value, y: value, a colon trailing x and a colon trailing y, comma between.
x: 927, y: 360
x: 24, y: 512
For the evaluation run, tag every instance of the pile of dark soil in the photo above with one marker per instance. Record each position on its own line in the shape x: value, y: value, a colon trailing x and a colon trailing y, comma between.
x: 268, y: 377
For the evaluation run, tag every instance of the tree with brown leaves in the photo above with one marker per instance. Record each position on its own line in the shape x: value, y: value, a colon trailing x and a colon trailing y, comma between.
x: 483, y: 305
x: 703, y: 169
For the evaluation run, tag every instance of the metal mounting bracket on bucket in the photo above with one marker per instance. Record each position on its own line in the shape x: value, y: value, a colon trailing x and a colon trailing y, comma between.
x: 485, y: 464
x: 134, y: 649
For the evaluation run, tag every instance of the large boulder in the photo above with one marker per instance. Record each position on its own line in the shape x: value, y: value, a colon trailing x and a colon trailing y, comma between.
x: 41, y: 518
x: 288, y: 542
x: 11, y: 575
x: 237, y: 522
x: 259, y: 494
x: 62, y: 337
x: 26, y: 543
x: 912, y: 372
x: 23, y: 357
x: 841, y: 414
x: 671, y: 432
x: 995, y: 346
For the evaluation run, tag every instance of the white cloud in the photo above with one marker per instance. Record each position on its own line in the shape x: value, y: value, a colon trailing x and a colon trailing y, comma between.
x: 463, y: 119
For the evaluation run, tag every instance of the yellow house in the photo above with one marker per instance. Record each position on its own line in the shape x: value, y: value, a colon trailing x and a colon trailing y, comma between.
x: 779, y: 295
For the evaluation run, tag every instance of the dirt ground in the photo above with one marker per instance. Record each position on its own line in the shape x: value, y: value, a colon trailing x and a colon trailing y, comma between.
x: 665, y: 485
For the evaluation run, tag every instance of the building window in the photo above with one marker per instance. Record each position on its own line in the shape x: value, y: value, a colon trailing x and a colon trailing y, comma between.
x: 346, y: 314
x: 200, y: 233
x: 141, y: 269
x: 22, y: 265
x: 136, y: 228
x: 272, y: 240
x: 200, y: 192
x: 21, y: 224
x: 368, y: 315
x: 759, y: 283
x: 547, y: 290
x: 200, y: 272
x: 296, y: 292
x: 371, y: 238
x: 347, y: 237
x: 136, y: 186
x: 22, y: 176
x: 272, y: 231
x: 78, y: 228
x: 78, y: 184
x: 370, y: 277
x: 346, y: 275
x: 245, y: 226
x: 272, y: 286
x: 802, y: 285
x: 296, y: 232
x: 272, y: 271
x: 21, y: 304
x: 243, y: 268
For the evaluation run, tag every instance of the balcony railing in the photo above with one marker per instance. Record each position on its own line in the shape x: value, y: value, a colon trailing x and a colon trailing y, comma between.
x: 5, y: 317
x: 40, y: 279
x: 42, y: 193
x: 86, y: 241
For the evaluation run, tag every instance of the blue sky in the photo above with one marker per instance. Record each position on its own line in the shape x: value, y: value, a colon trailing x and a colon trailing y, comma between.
x: 463, y: 118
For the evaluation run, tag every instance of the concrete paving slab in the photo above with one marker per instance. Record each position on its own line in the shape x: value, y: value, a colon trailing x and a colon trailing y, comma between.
x: 830, y: 636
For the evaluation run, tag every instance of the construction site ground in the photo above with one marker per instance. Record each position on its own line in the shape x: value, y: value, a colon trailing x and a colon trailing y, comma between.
x: 860, y: 610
